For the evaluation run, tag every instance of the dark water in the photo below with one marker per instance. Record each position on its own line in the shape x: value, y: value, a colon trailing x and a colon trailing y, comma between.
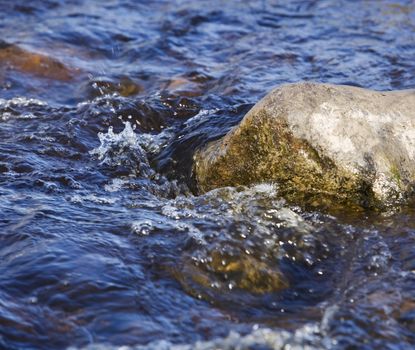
x: 103, y: 241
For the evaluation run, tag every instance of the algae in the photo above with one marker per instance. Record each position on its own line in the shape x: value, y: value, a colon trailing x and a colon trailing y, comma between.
x: 261, y: 150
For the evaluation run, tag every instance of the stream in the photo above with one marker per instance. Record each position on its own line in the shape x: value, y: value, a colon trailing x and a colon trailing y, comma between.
x: 104, y: 240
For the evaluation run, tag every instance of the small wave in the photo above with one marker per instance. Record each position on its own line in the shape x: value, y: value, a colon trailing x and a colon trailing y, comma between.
x: 154, y: 143
x: 92, y: 198
x: 263, y: 338
x: 21, y: 102
x: 115, y: 185
x: 203, y: 113
x: 106, y: 101
x: 6, y: 116
x: 11, y: 109
x: 239, y: 242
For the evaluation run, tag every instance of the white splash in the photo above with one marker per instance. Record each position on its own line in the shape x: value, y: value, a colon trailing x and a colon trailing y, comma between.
x: 125, y: 139
x: 123, y: 149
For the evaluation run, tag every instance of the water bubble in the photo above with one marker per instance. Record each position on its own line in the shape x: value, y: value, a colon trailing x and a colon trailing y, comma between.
x: 142, y: 227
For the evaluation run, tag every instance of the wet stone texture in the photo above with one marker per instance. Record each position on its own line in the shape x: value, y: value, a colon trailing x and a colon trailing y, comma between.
x: 16, y: 58
x: 320, y: 143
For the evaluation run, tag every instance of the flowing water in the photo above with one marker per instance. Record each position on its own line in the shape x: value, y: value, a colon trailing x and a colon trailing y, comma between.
x: 104, y: 241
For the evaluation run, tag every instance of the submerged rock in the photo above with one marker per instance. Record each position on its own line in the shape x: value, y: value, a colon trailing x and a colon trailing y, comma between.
x: 124, y: 86
x: 321, y: 144
x: 221, y: 272
x: 15, y: 58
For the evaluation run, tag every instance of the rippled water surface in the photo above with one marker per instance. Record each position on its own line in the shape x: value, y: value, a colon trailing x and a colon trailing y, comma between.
x: 104, y: 241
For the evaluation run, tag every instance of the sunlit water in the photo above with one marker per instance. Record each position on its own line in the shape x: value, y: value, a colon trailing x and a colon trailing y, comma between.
x: 103, y: 240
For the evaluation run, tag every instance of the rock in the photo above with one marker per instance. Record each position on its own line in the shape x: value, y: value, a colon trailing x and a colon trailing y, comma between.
x: 321, y: 144
x: 181, y: 86
x: 220, y: 273
x: 124, y: 86
x: 15, y: 58
x: 191, y: 84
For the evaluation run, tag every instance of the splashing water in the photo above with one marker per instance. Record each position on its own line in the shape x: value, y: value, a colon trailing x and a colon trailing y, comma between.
x: 123, y: 149
x: 103, y: 246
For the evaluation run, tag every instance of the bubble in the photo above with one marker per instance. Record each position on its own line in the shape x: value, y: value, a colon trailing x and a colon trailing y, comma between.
x: 142, y: 227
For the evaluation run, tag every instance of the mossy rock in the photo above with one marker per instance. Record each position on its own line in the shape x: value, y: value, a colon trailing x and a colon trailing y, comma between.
x: 322, y: 144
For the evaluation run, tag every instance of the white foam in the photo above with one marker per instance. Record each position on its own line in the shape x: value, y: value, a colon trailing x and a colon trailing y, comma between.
x: 21, y: 102
x: 92, y: 198
x: 115, y: 185
x: 259, y: 337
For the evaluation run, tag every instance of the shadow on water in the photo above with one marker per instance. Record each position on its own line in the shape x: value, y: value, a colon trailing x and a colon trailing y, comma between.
x: 103, y: 241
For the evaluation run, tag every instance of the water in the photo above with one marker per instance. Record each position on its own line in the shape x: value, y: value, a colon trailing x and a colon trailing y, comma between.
x: 103, y: 240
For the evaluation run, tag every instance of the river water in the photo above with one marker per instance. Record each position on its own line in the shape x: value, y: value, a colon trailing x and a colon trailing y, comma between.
x: 104, y: 241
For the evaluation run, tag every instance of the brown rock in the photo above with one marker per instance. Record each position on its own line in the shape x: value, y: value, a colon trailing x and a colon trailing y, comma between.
x: 15, y: 58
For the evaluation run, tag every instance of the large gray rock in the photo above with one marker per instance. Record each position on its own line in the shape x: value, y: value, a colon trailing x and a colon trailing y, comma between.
x: 319, y: 142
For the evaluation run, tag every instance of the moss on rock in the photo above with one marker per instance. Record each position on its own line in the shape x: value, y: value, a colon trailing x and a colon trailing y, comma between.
x: 283, y: 139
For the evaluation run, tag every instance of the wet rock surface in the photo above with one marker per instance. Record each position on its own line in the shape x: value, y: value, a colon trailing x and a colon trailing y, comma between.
x: 15, y: 58
x: 320, y: 143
